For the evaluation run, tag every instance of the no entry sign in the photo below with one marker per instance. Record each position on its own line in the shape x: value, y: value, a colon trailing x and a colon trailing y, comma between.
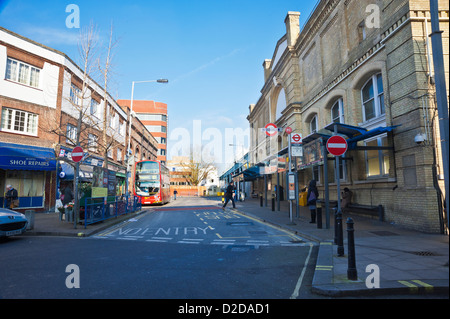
x: 337, y: 145
x: 77, y: 154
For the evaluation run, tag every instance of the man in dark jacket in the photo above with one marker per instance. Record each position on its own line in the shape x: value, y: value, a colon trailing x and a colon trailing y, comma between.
x: 311, y: 197
x: 229, y: 195
x: 11, y: 195
x: 68, y: 195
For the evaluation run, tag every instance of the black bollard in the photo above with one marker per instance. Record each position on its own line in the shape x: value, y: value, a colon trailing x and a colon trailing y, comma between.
x: 340, y: 237
x: 261, y: 201
x: 335, y: 226
x: 352, y: 273
x: 319, y: 217
x: 273, y: 203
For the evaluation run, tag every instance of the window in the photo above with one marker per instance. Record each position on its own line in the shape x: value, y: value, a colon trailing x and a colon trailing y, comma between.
x: 362, y: 32
x: 17, y: 121
x: 94, y: 107
x: 23, y: 73
x: 75, y: 94
x: 373, y: 98
x: 313, y: 125
x: 377, y: 161
x: 337, y: 112
x: 92, y: 142
x: 119, y: 155
x: 71, y: 134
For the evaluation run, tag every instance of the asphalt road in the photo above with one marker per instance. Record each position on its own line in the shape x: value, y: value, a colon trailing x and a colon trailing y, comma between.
x: 186, y: 250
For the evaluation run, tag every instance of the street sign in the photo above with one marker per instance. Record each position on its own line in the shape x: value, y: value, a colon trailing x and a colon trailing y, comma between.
x: 271, y: 129
x: 77, y: 154
x: 288, y: 130
x: 337, y: 145
x: 291, y: 193
x: 296, y: 138
x: 296, y: 150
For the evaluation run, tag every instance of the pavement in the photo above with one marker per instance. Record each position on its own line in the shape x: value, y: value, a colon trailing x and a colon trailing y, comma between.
x: 390, y: 260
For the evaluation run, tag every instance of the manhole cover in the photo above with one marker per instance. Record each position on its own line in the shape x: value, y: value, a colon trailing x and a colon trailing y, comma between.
x: 384, y: 233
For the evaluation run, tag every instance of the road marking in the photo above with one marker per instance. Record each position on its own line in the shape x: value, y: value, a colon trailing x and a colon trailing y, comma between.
x: 157, y: 240
x: 162, y: 238
x: 217, y: 234
x: 188, y: 242
x: 414, y: 287
x: 300, y: 279
x: 324, y: 267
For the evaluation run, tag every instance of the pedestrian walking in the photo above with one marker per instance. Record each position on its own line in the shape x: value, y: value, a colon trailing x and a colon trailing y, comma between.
x: 11, y: 197
x: 312, y: 196
x: 68, y: 195
x: 229, y: 195
x: 175, y: 194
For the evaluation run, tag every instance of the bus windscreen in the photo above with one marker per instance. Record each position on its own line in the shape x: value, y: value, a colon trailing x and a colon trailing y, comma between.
x: 147, y: 188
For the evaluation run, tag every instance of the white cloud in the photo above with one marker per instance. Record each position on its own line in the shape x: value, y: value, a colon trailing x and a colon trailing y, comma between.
x: 52, y: 36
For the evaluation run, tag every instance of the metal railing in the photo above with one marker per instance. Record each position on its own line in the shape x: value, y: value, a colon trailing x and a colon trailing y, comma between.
x: 97, y: 209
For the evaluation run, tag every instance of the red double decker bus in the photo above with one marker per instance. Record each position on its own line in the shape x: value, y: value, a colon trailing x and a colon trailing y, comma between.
x: 152, y: 182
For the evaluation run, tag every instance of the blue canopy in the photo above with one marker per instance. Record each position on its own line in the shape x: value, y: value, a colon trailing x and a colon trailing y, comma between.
x: 26, y: 157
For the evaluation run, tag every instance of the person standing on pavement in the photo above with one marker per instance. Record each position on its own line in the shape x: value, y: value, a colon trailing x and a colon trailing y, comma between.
x: 346, y: 198
x: 11, y: 197
x: 229, y: 195
x: 175, y: 194
x: 68, y: 195
x: 312, y: 196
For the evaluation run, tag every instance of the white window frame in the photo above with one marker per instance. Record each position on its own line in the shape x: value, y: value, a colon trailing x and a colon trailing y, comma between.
x: 378, y: 96
x: 75, y: 94
x: 340, y: 105
x: 92, y: 142
x: 15, y: 75
x: 27, y: 120
x: 94, y: 107
x: 71, y: 134
x: 381, y: 155
x: 316, y: 123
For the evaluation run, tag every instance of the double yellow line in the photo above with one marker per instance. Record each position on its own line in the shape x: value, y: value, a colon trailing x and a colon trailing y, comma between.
x: 414, y: 285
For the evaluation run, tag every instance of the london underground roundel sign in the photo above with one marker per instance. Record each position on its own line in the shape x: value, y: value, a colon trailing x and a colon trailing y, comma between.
x: 271, y: 129
x: 337, y: 145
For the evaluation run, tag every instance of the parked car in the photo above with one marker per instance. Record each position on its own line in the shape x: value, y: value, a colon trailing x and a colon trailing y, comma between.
x: 12, y: 223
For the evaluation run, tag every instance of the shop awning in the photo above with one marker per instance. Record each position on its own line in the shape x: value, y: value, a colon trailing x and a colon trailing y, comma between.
x: 25, y: 157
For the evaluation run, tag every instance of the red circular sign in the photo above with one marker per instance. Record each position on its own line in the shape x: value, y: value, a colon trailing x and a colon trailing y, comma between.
x: 296, y: 138
x: 337, y: 145
x: 288, y: 130
x: 77, y: 154
x: 271, y: 129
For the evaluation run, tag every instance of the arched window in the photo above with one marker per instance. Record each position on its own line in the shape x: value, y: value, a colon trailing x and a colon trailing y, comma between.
x: 281, y: 104
x: 337, y: 112
x: 372, y: 96
x: 313, y: 124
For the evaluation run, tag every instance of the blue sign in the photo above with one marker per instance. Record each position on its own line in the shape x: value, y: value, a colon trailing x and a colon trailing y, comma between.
x: 25, y: 157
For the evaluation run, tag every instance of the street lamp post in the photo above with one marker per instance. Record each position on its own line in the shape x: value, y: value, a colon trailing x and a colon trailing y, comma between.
x: 129, y: 128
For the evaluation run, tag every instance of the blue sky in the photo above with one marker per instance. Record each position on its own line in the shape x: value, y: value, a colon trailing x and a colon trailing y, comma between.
x: 211, y: 51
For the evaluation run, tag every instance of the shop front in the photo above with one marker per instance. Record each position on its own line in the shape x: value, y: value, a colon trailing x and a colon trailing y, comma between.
x: 31, y: 171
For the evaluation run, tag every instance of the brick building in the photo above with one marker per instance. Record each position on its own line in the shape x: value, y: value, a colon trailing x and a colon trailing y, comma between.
x: 367, y: 67
x: 154, y: 116
x: 42, y: 92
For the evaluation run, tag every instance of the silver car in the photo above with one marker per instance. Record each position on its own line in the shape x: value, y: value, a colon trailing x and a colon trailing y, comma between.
x: 12, y: 223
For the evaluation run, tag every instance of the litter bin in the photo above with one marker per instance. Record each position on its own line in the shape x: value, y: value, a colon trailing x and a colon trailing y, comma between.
x: 302, y: 198
x: 29, y: 215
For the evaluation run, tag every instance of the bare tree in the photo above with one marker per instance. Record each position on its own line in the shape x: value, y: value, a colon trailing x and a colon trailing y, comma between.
x: 195, y: 171
x: 109, y: 135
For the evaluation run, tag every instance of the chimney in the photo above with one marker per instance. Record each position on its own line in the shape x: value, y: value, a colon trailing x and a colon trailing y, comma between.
x: 267, y: 69
x: 292, y: 22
